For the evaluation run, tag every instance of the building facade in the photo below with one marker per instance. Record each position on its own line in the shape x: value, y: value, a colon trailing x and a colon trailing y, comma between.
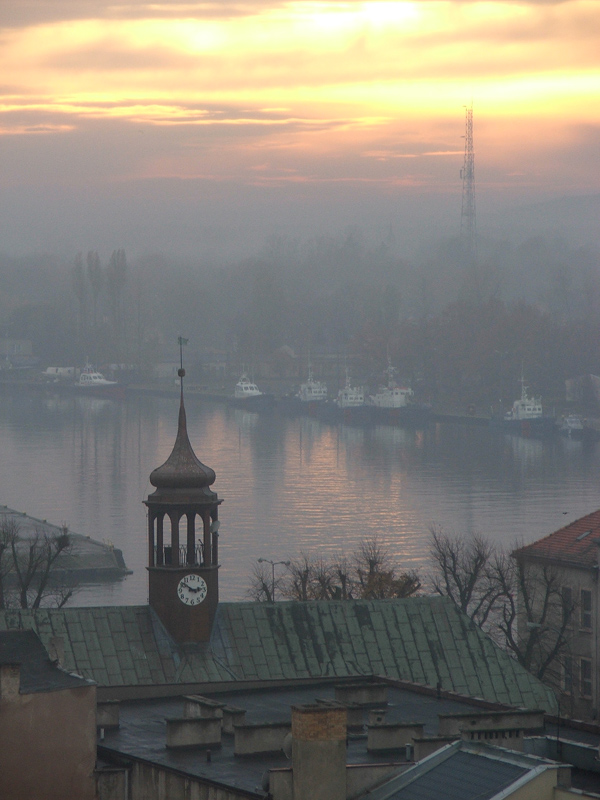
x: 569, y: 557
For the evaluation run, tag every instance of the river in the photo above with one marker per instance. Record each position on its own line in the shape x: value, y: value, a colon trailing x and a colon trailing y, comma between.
x: 289, y: 484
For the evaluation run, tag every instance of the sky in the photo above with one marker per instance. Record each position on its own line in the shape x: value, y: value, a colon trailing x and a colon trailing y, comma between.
x: 203, y: 127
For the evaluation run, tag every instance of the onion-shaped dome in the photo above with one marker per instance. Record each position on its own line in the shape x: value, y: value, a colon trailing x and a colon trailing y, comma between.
x: 182, y: 469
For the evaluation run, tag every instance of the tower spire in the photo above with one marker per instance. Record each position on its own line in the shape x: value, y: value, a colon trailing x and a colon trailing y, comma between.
x: 183, y: 563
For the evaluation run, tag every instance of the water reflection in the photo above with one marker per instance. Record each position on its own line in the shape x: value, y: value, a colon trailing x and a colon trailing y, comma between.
x: 288, y: 484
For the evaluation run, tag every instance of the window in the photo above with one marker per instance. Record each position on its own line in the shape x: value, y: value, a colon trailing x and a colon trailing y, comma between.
x: 586, y: 609
x: 586, y: 677
x: 567, y: 675
x: 567, y: 603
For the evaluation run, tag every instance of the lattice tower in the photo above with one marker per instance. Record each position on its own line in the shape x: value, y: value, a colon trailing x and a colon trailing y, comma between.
x: 468, y: 225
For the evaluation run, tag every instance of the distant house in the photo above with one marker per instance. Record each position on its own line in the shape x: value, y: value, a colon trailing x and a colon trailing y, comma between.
x: 583, y: 389
x: 574, y: 552
x: 17, y: 354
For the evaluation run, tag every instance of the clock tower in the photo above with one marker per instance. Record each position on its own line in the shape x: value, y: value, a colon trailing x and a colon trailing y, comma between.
x: 183, y: 553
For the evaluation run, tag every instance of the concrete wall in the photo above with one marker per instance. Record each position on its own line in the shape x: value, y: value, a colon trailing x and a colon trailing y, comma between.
x: 510, y: 739
x: 107, y: 714
x: 429, y: 744
x: 578, y: 754
x: 570, y: 794
x: 541, y: 787
x: 364, y: 694
x: 48, y: 734
x: 451, y: 724
x: 391, y: 736
x: 198, y: 706
x: 153, y: 783
x: 232, y: 716
x: 112, y: 783
x: 253, y: 739
x: 359, y: 779
x: 193, y: 732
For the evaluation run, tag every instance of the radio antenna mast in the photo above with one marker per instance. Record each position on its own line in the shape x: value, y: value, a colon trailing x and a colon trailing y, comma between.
x: 468, y: 225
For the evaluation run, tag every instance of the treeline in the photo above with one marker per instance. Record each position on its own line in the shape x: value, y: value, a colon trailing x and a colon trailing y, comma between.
x: 456, y: 333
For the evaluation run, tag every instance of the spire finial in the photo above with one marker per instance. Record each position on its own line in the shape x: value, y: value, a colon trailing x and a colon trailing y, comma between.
x: 181, y: 372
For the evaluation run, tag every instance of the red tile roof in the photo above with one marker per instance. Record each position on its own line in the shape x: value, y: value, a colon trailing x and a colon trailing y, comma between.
x: 576, y: 544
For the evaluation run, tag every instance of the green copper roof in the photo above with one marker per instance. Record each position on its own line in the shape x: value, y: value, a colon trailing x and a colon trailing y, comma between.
x: 425, y: 640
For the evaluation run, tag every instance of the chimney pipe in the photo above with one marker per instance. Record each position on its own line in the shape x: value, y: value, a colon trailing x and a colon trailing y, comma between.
x: 319, y: 752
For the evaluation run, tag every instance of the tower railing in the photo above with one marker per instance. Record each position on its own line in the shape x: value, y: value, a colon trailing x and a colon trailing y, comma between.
x: 164, y: 556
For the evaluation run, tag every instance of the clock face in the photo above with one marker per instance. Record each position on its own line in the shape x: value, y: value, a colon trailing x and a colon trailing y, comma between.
x: 192, y: 590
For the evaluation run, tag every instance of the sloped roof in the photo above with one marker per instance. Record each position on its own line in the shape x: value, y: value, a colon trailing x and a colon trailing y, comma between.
x: 38, y: 673
x: 575, y: 544
x: 424, y: 640
x: 463, y: 771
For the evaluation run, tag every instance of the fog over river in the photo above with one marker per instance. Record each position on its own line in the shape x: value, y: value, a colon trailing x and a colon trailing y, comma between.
x: 289, y: 484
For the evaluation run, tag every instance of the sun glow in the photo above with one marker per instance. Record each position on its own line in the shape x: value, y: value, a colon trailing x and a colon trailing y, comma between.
x: 307, y: 77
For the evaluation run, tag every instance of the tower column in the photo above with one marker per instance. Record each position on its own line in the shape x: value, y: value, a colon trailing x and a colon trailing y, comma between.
x: 190, y: 556
x: 206, y: 539
x: 174, y: 517
x: 160, y: 548
x: 151, y: 558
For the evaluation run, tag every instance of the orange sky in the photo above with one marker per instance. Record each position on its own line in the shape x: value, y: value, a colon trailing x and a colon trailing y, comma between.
x: 277, y: 94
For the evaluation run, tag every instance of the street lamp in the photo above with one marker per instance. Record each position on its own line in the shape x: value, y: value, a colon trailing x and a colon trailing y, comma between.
x: 273, y: 565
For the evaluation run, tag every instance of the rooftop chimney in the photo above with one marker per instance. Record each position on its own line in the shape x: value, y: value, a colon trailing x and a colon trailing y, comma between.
x: 319, y: 752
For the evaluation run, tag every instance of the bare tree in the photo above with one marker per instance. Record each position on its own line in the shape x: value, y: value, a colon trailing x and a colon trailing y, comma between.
x: 26, y: 567
x: 9, y: 532
x: 522, y: 606
x: 369, y: 573
x: 376, y: 576
x: 261, y: 584
x: 536, y: 614
x: 461, y: 571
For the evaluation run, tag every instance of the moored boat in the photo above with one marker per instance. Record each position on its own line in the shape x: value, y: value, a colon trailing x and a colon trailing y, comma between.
x: 350, y: 396
x: 396, y: 403
x: 312, y: 391
x: 574, y: 427
x: 526, y: 416
x: 349, y: 405
x: 247, y: 395
x: 94, y: 382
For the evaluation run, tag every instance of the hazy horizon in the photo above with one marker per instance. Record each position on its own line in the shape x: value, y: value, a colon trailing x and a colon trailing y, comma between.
x: 210, y: 127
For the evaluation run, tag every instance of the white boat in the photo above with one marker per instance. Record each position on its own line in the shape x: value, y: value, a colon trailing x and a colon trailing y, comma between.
x: 350, y: 396
x: 527, y: 415
x: 574, y: 427
x: 89, y: 378
x: 312, y: 391
x: 59, y: 373
x: 245, y: 389
x: 247, y: 394
x: 396, y: 403
x: 391, y: 396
